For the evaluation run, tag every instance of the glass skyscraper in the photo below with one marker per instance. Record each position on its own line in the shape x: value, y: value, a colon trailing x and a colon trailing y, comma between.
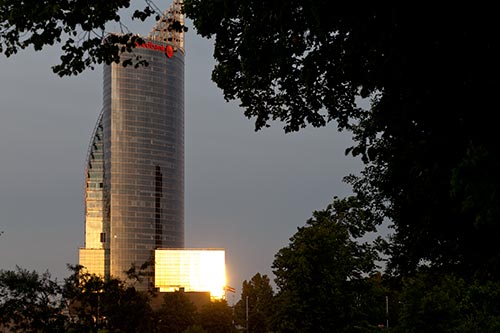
x: 134, y: 196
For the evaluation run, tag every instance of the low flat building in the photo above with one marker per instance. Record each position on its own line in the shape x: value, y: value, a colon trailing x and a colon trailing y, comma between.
x: 191, y: 270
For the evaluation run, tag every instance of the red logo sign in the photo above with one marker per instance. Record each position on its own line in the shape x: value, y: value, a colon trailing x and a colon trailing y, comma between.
x: 168, y: 50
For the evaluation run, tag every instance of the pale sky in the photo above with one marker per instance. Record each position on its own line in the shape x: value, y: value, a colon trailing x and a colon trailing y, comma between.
x: 245, y: 191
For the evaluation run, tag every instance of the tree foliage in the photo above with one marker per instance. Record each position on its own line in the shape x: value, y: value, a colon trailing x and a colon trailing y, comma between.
x: 258, y: 294
x: 81, y: 292
x: 30, y: 302
x: 321, y: 276
x: 124, y: 308
x: 448, y: 303
x: 176, y: 314
x: 429, y: 150
x: 78, y: 26
x: 216, y: 317
x: 427, y: 140
x: 94, y: 302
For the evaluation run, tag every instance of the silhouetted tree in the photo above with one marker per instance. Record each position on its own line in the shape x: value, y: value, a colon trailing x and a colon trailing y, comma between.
x: 176, y: 314
x: 260, y: 304
x: 30, y: 302
x: 430, y: 159
x: 321, y: 275
x: 95, y: 302
x: 125, y: 309
x: 427, y: 140
x: 216, y: 317
x: 76, y: 24
x: 433, y: 302
x: 430, y: 151
x: 82, y: 292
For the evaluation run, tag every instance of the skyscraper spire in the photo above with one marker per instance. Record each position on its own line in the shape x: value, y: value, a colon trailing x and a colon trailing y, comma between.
x: 169, y: 28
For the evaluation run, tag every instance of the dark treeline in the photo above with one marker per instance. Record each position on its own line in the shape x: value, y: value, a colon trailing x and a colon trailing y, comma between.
x: 33, y: 302
x: 427, y: 141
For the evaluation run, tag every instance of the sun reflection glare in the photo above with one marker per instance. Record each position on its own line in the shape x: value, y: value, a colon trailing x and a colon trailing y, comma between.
x: 192, y: 269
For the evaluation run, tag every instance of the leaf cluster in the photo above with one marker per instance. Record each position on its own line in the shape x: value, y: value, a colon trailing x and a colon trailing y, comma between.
x: 448, y: 303
x: 322, y: 274
x: 256, y: 299
x: 427, y: 76
x: 216, y: 317
x: 78, y: 26
x: 30, y: 302
x: 94, y: 302
x: 177, y: 313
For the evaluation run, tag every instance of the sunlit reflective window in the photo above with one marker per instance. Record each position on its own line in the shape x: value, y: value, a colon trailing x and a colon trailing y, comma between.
x: 191, y: 269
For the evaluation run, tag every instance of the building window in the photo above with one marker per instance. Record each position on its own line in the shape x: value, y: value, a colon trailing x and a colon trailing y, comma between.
x: 103, y: 237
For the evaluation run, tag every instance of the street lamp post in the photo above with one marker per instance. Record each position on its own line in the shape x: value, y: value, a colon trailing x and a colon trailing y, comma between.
x: 387, y: 311
x: 246, y: 307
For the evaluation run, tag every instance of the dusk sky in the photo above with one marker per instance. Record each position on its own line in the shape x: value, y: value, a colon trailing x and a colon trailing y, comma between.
x: 245, y: 191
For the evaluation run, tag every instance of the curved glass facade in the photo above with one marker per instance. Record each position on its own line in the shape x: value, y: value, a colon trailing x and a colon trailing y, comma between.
x: 135, y: 171
x: 96, y: 251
